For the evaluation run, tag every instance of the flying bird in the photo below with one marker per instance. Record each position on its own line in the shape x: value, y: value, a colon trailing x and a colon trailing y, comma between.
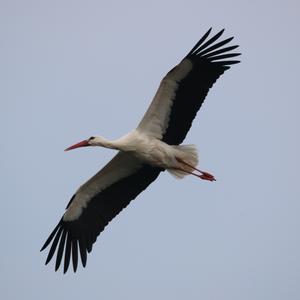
x: 154, y: 146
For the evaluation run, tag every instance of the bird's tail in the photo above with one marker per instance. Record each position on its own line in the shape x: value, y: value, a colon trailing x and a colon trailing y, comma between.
x: 188, y: 154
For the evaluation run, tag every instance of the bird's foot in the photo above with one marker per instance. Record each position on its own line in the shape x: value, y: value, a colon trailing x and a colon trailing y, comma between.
x: 207, y: 176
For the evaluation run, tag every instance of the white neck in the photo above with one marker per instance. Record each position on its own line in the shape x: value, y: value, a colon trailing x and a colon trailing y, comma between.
x: 103, y: 142
x: 125, y: 143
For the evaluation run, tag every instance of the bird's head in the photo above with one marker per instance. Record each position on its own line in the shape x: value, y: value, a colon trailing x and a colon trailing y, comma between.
x: 92, y: 141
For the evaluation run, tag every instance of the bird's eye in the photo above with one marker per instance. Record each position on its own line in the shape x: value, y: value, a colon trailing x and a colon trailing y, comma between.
x: 91, y: 138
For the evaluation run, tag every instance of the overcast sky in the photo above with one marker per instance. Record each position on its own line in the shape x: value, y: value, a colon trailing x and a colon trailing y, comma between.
x: 72, y: 69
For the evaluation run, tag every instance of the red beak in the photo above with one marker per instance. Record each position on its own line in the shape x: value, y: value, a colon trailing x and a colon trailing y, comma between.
x: 84, y: 143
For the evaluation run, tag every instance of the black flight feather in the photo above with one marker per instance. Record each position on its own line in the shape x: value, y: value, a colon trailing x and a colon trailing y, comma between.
x: 208, y: 64
x: 101, y: 209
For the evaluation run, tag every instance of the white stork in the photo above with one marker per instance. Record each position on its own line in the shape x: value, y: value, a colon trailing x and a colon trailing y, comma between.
x: 154, y: 146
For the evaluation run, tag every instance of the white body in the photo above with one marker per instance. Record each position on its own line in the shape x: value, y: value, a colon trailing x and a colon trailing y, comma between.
x: 135, y: 149
x: 151, y: 150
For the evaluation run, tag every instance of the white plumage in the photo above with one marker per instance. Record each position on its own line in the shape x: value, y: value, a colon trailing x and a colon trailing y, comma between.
x: 154, y: 146
x: 156, y: 119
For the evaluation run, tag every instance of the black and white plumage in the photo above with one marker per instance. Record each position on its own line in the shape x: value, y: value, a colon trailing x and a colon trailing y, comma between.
x: 154, y: 146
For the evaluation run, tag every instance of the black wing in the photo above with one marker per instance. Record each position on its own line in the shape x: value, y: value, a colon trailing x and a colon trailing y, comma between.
x: 184, y: 88
x: 71, y: 237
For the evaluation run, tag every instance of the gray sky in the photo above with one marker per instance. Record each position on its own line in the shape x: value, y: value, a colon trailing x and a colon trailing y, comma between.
x: 70, y: 69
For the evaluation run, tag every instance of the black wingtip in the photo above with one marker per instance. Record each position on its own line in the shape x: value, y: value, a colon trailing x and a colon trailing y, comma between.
x: 217, y: 58
x: 67, y: 253
x: 54, y: 245
x: 60, y: 250
x: 75, y: 254
x: 51, y: 236
x: 209, y: 51
x: 207, y: 33
x: 82, y: 250
x: 232, y: 62
x: 221, y: 31
x: 200, y: 41
x: 201, y: 45
x: 212, y: 51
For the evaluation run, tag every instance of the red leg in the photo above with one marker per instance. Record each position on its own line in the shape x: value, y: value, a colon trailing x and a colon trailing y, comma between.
x: 204, y: 175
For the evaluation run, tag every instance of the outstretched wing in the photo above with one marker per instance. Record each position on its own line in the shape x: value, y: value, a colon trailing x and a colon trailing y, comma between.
x: 94, y: 205
x: 183, y: 90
